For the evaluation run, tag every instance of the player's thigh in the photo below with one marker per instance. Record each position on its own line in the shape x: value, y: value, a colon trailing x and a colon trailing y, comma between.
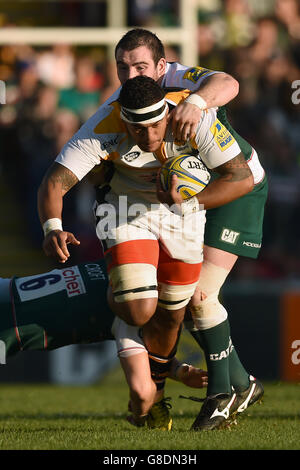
x: 177, y: 281
x: 132, y: 267
x: 224, y: 259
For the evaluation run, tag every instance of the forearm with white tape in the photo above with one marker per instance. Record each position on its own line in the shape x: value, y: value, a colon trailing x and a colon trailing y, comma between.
x: 52, y: 224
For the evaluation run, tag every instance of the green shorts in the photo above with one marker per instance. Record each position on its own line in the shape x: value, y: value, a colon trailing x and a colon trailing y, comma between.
x: 237, y: 227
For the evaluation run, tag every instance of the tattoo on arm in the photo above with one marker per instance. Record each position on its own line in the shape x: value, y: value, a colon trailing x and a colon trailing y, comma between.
x: 59, y: 174
x: 235, y: 169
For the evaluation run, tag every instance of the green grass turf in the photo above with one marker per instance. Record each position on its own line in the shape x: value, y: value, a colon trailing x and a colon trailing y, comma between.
x: 49, y: 417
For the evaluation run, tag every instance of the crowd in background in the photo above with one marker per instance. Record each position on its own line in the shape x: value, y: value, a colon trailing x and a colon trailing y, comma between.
x: 51, y: 91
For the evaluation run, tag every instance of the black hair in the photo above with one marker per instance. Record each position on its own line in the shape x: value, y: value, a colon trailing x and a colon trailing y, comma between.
x: 139, y: 92
x: 142, y: 37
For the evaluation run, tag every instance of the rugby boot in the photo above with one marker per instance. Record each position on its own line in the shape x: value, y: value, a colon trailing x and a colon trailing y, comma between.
x: 248, y: 397
x: 215, y: 412
x: 159, y: 416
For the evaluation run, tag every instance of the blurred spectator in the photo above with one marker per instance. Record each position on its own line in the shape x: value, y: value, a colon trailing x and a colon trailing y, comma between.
x: 65, y: 124
x: 171, y: 54
x: 113, y: 82
x: 266, y: 42
x: 56, y: 66
x: 148, y: 13
x: 85, y: 96
x: 209, y: 37
x: 239, y: 23
x: 288, y: 13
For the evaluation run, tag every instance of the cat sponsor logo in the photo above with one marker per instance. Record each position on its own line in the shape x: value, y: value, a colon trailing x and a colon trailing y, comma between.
x: 229, y: 236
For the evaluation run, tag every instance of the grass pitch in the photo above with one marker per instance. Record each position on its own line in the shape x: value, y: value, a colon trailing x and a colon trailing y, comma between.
x: 45, y: 417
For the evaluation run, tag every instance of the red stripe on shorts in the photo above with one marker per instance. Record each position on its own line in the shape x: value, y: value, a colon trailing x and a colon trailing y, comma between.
x: 176, y: 272
x: 133, y: 251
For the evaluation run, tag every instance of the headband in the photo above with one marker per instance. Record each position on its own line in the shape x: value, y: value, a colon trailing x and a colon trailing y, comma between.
x: 146, y: 115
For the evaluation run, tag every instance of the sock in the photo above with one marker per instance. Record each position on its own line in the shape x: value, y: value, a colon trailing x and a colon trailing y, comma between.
x: 160, y: 368
x: 216, y: 344
x: 239, y: 377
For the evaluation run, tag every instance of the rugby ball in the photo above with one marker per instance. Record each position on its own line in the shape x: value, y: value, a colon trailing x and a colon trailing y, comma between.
x: 192, y: 174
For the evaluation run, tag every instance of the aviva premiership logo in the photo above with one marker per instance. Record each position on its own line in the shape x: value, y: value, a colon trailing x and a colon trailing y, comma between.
x: 195, y: 73
x: 221, y: 135
x: 229, y: 236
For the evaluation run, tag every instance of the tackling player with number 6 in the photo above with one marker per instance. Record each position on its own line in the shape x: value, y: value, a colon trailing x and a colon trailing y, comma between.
x: 68, y: 306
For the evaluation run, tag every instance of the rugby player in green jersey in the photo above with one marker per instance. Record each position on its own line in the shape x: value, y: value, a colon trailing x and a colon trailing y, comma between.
x: 68, y: 306
x: 233, y: 229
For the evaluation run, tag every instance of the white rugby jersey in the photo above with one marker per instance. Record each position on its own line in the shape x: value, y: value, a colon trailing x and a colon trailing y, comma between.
x: 104, y: 137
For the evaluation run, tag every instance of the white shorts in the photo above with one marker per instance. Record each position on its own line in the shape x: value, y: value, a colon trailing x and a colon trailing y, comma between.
x: 150, y: 248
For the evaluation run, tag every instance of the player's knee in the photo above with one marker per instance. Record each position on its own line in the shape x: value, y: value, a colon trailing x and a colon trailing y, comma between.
x: 208, y: 313
x: 168, y: 319
x: 137, y: 312
x: 205, y: 307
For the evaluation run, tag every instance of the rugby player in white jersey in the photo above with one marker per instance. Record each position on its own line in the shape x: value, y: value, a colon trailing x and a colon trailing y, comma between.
x: 137, y: 140
x: 229, y: 230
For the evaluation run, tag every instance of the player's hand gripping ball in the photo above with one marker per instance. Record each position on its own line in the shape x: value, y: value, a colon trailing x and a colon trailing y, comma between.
x: 192, y: 174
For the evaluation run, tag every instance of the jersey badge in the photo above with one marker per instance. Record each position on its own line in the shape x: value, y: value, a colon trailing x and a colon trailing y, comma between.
x: 195, y: 73
x: 129, y: 157
x: 221, y: 135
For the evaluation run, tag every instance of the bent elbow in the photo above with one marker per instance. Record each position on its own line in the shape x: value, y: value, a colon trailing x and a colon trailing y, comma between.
x: 235, y: 87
